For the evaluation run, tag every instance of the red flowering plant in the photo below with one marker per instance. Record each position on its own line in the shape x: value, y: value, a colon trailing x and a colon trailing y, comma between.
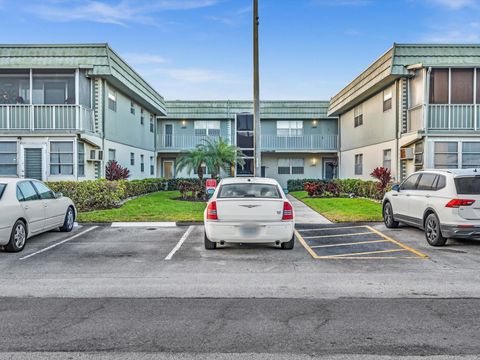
x: 384, y: 177
x: 114, y: 171
x: 314, y: 189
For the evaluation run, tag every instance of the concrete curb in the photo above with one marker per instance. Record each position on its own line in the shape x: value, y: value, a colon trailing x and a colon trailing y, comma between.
x: 143, y: 224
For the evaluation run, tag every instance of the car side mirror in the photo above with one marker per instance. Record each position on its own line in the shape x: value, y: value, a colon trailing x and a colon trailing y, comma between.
x: 58, y: 195
x: 396, y: 187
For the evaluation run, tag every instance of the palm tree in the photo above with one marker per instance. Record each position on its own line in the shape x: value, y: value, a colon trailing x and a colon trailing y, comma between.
x: 221, y: 156
x: 193, y: 160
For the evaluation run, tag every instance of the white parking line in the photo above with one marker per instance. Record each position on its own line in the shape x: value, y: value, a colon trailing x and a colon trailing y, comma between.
x: 59, y: 243
x: 144, y: 224
x: 180, y: 242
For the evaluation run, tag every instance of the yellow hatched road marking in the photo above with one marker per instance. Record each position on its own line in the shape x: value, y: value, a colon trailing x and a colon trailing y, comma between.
x: 416, y: 252
x: 337, y: 235
x: 335, y: 228
x: 365, y: 253
x: 347, y: 244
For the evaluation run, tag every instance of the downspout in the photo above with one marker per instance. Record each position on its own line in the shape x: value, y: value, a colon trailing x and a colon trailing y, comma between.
x: 339, y: 145
x: 102, y: 164
x: 425, y: 118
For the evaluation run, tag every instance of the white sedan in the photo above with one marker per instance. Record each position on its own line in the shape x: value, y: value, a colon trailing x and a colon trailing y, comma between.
x: 29, y: 207
x: 249, y: 210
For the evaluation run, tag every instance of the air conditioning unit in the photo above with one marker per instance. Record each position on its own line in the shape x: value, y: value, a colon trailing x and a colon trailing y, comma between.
x: 407, y: 154
x: 95, y: 155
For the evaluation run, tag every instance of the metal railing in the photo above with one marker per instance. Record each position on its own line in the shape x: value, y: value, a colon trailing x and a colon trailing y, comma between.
x: 453, y: 117
x: 46, y: 117
x: 304, y: 142
x: 183, y: 142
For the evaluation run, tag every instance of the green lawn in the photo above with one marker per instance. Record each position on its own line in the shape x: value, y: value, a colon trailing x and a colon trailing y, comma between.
x: 343, y: 209
x: 159, y: 206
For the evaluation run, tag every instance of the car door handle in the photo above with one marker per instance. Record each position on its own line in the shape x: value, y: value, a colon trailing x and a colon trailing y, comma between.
x: 407, y: 195
x: 427, y: 196
x: 394, y: 194
x: 26, y: 207
x: 45, y: 205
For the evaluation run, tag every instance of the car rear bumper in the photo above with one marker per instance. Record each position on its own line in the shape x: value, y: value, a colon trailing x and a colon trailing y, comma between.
x: 456, y: 231
x: 249, y: 232
x: 5, y: 235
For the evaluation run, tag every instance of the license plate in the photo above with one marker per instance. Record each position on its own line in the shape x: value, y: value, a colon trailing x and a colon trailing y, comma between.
x: 249, y: 230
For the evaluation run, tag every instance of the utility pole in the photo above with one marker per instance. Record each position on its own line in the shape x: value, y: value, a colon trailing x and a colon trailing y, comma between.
x: 256, y: 93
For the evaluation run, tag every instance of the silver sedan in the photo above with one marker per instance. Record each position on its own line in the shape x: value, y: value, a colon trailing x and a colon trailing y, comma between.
x: 29, y: 207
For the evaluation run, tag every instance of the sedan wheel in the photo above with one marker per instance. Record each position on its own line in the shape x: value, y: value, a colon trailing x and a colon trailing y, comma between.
x: 69, y: 221
x: 433, y: 233
x: 18, y: 237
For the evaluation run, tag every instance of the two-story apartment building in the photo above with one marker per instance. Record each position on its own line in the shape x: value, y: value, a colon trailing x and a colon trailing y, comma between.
x: 66, y: 110
x: 297, y: 140
x: 417, y: 106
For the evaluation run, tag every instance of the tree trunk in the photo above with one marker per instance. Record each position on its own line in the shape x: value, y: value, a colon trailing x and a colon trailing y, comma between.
x: 200, y: 172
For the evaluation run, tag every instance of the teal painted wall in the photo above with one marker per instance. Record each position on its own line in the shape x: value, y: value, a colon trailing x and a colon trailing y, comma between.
x: 123, y: 127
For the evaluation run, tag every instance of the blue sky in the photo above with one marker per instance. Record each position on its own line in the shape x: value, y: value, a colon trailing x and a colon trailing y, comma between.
x: 201, y: 49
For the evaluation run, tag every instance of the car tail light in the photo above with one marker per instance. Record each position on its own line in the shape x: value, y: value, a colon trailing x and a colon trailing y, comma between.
x: 287, y: 211
x: 212, y: 211
x: 456, y: 203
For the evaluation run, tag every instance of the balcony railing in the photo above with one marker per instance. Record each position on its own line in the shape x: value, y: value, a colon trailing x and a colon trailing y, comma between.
x: 453, y: 117
x: 182, y: 142
x: 304, y: 142
x: 46, y: 117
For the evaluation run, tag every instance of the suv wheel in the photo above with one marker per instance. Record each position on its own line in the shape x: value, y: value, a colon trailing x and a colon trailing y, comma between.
x: 388, y: 216
x: 433, y: 233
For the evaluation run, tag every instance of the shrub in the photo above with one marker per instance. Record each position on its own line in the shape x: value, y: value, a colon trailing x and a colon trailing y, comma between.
x: 337, y: 187
x: 114, y: 171
x: 384, y: 177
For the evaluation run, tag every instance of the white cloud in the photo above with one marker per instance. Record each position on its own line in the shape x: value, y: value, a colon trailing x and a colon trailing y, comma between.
x: 144, y: 59
x: 232, y: 18
x: 455, y: 4
x: 120, y: 12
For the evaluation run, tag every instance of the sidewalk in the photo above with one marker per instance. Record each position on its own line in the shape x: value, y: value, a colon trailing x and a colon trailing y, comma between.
x: 305, y: 215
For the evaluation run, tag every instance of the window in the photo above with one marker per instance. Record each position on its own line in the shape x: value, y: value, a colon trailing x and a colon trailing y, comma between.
x: 132, y: 108
x: 142, y: 163
x: 283, y: 166
x: 297, y: 166
x: 244, y: 122
x: 410, y: 183
x: 467, y: 185
x: 441, y: 183
x: 112, y: 100
x: 8, y: 158
x: 418, y: 156
x: 61, y: 158
x: 132, y: 159
x: 387, y: 99
x: 152, y: 166
x: 289, y: 128
x: 53, y: 86
x: 359, y: 164
x: 427, y: 182
x: 470, y: 155
x: 142, y: 117
x: 211, y: 128
x: 387, y: 159
x: 358, y: 115
x: 81, y: 159
x: 249, y: 191
x: 151, y: 124
x: 15, y: 86
x: 439, y: 86
x: 26, y: 192
x: 112, y: 154
x: 446, y: 155
x: 44, y: 191
x: 462, y: 86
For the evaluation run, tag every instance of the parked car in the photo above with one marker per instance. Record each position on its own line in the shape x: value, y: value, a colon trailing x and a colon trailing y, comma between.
x: 444, y: 203
x: 28, y: 208
x: 249, y: 210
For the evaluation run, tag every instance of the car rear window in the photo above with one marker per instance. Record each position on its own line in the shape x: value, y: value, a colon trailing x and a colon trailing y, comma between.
x: 249, y: 191
x: 2, y: 190
x: 468, y: 185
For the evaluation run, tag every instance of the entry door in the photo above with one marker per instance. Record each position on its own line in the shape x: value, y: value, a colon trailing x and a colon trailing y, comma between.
x: 168, y: 135
x: 168, y: 169
x: 329, y: 168
x: 33, y: 163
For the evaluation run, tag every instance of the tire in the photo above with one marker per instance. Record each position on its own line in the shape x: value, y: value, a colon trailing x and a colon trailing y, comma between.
x: 289, y: 244
x: 388, y: 219
x: 69, y: 221
x: 209, y: 245
x: 433, y: 233
x: 18, y: 237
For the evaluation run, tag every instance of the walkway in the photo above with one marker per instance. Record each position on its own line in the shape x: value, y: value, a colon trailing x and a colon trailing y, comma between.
x: 305, y: 215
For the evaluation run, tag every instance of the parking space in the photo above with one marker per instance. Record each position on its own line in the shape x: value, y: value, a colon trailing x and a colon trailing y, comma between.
x: 352, y: 242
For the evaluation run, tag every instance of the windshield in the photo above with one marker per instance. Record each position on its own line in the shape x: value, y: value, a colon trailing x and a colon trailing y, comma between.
x: 468, y: 185
x: 249, y: 191
x: 2, y: 189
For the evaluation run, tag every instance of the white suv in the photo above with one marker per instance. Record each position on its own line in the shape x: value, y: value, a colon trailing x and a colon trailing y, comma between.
x: 444, y: 203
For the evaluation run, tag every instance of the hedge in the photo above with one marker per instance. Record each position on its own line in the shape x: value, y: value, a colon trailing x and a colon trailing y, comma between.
x: 103, y: 194
x: 360, y: 188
